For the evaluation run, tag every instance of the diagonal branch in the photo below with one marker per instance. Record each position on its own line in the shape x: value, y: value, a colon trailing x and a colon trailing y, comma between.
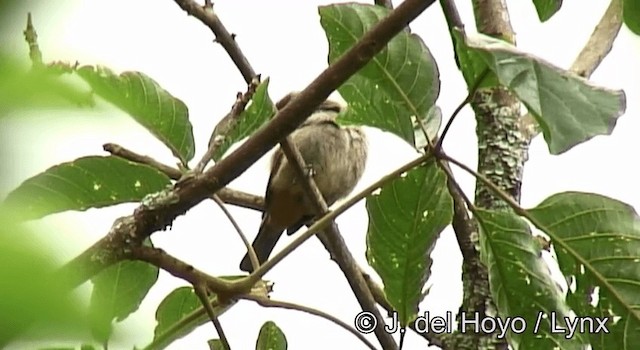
x: 228, y: 123
x: 202, y: 293
x: 227, y: 40
x: 333, y: 242
x: 592, y: 54
x: 266, y: 302
x: 131, y: 230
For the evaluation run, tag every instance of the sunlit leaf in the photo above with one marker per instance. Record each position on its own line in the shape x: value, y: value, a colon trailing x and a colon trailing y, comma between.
x: 258, y: 112
x: 271, y: 337
x: 568, y: 109
x: 521, y: 284
x: 400, y: 82
x: 118, y: 291
x: 547, y: 8
x: 405, y: 220
x: 597, y: 241
x: 89, y: 182
x: 164, y: 115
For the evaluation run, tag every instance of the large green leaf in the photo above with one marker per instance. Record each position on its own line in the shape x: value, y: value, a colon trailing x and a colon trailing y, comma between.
x: 631, y: 15
x: 89, y: 182
x: 400, y: 82
x: 569, y: 109
x: 174, y: 309
x: 405, y: 220
x: 164, y: 115
x: 259, y: 111
x: 597, y: 240
x: 521, y: 284
x: 547, y: 8
x: 118, y: 291
x: 181, y: 312
x: 36, y: 88
x: 271, y: 337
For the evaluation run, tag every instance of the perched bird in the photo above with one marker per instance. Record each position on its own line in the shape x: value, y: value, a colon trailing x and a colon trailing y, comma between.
x: 336, y: 158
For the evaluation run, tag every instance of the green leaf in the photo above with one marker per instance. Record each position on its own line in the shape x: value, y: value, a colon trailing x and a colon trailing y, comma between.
x: 181, y: 312
x: 89, y: 182
x: 400, y: 82
x: 569, y: 109
x: 430, y: 125
x: 174, y: 307
x: 164, y: 115
x: 597, y: 241
x: 117, y: 292
x: 36, y: 88
x: 260, y: 110
x: 471, y: 63
x: 271, y: 337
x: 521, y: 284
x: 631, y: 15
x: 215, y: 344
x: 405, y: 220
x: 547, y: 8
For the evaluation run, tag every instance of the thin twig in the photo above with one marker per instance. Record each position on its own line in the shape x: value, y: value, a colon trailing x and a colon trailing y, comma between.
x: 503, y: 195
x: 455, y: 113
x: 243, y: 237
x: 147, y: 219
x: 227, y: 195
x: 228, y: 123
x: 127, y: 154
x: 266, y: 302
x: 182, y: 270
x: 201, y: 292
x: 324, y: 221
x: 227, y: 40
x: 600, y: 42
x: 454, y: 21
x: 335, y: 244
x: 31, y: 37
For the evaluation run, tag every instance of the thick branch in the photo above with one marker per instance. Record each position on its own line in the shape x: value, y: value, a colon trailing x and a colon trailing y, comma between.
x: 502, y: 152
x: 150, y: 217
x: 227, y: 195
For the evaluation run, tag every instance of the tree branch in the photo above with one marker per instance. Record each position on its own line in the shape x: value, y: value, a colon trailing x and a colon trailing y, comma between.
x: 243, y: 237
x: 227, y: 40
x: 266, y: 302
x: 31, y: 36
x: 227, y: 195
x: 166, y: 206
x: 228, y: 123
x: 592, y: 54
x: 201, y: 292
x: 333, y: 242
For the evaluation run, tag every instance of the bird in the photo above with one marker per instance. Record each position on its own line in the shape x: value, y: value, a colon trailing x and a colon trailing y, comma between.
x: 335, y: 156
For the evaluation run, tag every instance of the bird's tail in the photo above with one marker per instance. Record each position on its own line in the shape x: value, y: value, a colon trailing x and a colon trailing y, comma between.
x: 263, y: 245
